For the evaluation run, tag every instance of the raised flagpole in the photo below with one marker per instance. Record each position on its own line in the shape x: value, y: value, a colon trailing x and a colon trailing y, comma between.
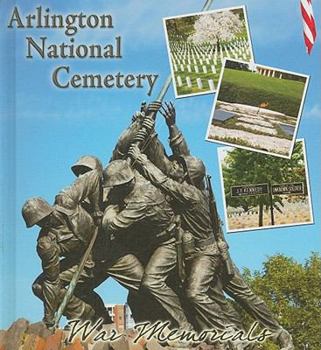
x: 74, y: 281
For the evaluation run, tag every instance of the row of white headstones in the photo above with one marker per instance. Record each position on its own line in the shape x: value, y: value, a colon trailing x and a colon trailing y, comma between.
x: 205, y: 58
x: 199, y: 82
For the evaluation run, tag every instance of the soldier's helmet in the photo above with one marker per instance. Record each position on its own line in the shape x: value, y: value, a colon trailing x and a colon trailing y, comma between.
x: 85, y: 164
x: 194, y: 168
x: 35, y: 209
x: 118, y: 172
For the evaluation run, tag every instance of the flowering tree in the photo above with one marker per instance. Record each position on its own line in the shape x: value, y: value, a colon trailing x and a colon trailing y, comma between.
x: 216, y: 27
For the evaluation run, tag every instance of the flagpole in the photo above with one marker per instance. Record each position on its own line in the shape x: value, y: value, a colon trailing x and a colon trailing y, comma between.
x: 77, y: 274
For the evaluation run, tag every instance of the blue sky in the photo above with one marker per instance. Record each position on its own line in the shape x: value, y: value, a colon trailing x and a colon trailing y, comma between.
x: 44, y: 129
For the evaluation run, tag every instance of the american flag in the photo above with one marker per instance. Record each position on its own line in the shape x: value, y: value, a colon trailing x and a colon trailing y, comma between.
x: 309, y: 29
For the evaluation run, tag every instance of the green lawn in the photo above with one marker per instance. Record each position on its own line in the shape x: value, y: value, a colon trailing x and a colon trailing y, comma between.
x: 252, y: 89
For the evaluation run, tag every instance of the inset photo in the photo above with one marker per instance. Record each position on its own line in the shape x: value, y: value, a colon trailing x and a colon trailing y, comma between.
x: 262, y: 191
x: 198, y: 43
x: 257, y: 108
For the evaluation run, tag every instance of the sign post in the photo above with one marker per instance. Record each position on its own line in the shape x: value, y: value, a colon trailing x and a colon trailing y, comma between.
x: 271, y: 204
x: 291, y: 188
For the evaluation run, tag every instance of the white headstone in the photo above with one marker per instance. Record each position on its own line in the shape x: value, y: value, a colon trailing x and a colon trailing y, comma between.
x: 179, y: 81
x: 211, y: 84
x: 188, y: 82
x: 204, y: 69
x: 199, y: 83
x: 196, y: 69
x: 213, y: 69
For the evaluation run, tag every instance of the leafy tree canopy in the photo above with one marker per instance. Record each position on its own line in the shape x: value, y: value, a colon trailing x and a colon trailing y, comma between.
x: 242, y: 167
x: 293, y: 293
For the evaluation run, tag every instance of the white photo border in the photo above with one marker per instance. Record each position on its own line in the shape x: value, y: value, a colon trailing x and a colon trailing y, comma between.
x: 243, y: 7
x: 228, y: 230
x: 251, y: 148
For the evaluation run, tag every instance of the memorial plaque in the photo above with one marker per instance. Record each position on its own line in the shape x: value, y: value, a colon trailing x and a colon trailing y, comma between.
x: 249, y: 190
x: 288, y: 188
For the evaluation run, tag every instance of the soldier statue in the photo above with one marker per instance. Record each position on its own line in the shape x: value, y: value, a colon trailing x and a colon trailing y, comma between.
x: 153, y: 216
x: 176, y: 167
x: 140, y: 213
x: 66, y: 229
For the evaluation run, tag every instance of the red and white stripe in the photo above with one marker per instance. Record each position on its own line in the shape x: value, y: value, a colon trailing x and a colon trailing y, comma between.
x: 309, y: 28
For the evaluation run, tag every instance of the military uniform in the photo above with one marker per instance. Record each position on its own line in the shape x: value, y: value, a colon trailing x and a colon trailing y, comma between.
x: 145, y: 218
x: 68, y: 236
x: 204, y: 260
x: 235, y: 287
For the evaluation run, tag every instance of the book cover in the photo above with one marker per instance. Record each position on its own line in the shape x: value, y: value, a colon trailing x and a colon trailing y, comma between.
x: 169, y: 154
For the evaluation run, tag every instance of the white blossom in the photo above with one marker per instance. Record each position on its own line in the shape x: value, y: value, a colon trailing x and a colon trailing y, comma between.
x: 214, y: 27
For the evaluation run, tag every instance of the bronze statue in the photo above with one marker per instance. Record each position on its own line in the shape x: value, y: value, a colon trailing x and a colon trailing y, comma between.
x: 65, y: 230
x: 139, y: 212
x: 156, y: 221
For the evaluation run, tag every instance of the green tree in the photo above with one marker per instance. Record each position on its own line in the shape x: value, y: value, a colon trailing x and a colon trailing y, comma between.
x: 293, y: 293
x: 242, y: 167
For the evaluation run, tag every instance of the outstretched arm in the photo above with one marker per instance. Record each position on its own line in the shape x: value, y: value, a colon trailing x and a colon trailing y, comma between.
x: 177, y: 141
x: 126, y: 138
x: 131, y: 134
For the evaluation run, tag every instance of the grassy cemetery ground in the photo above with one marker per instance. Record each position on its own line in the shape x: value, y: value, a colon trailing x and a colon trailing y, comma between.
x: 269, y: 129
x: 294, y: 212
x: 249, y: 88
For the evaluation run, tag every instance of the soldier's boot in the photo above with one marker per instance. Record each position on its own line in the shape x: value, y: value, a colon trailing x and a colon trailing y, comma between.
x: 82, y: 311
x: 77, y: 309
x: 284, y: 339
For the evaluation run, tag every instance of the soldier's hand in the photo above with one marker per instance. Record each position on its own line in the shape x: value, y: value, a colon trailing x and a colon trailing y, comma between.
x: 140, y: 136
x: 168, y: 113
x: 134, y: 152
x: 138, y: 116
x: 143, y: 107
x: 153, y: 107
x: 148, y: 123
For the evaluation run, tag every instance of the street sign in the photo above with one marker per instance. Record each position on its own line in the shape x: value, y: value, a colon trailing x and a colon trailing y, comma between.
x: 288, y: 188
x: 291, y: 188
x: 249, y: 190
